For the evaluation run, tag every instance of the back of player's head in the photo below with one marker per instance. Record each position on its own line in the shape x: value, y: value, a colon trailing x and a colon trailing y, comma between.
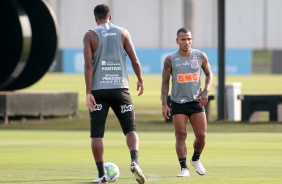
x: 102, y: 11
x: 183, y: 30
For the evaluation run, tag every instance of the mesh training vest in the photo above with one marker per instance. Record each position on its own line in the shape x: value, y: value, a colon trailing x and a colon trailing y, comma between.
x: 109, y: 67
x: 186, y: 75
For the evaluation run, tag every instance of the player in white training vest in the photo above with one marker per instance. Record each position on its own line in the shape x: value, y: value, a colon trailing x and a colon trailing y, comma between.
x: 187, y: 98
x: 106, y: 78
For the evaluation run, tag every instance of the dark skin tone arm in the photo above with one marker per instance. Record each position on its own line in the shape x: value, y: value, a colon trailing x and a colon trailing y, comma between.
x: 165, y: 86
x: 129, y: 48
x: 91, y: 43
x: 208, y: 72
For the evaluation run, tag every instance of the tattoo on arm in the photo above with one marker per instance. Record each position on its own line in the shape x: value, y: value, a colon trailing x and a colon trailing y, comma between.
x: 165, y: 79
x: 208, y: 72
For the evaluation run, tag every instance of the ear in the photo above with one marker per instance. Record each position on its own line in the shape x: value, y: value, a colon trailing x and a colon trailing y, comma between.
x: 110, y: 17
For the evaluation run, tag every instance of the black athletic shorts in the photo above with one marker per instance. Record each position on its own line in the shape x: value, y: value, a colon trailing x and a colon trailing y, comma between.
x: 186, y: 108
x: 121, y: 103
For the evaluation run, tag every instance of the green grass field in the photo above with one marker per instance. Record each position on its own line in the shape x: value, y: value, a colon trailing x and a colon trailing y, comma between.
x: 37, y: 156
x: 57, y: 150
x: 150, y: 101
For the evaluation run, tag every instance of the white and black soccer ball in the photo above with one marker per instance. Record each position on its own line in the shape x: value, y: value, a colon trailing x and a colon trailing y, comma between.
x: 111, y: 171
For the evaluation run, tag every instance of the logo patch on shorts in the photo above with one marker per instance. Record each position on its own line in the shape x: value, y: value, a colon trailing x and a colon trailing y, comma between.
x: 98, y: 107
x: 126, y: 108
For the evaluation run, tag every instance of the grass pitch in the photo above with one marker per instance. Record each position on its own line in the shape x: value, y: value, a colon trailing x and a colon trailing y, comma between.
x: 57, y: 150
x: 44, y: 156
x: 150, y: 101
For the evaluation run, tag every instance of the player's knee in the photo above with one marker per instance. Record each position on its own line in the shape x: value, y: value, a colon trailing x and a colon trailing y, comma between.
x: 201, y: 138
x: 180, y: 135
x: 128, y: 125
x: 97, y: 127
x: 97, y: 135
x: 127, y: 129
x: 97, y: 132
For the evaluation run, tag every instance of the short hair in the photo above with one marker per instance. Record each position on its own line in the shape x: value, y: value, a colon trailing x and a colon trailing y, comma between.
x: 183, y: 30
x: 102, y: 11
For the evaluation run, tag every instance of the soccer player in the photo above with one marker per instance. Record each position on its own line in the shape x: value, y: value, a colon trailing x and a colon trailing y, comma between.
x: 187, y: 98
x: 107, y: 86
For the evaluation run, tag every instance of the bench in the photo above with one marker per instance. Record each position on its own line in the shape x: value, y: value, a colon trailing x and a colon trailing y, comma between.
x: 261, y: 102
x: 38, y: 104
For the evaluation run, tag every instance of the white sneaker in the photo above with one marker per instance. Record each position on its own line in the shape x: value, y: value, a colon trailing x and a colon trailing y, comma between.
x: 199, y: 167
x: 138, y: 173
x: 184, y: 173
x: 103, y: 179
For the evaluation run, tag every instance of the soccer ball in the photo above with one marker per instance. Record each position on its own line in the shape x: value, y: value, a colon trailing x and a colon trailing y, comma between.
x: 111, y: 171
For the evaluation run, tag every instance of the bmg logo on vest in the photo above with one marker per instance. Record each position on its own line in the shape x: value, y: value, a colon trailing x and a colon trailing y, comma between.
x: 187, y: 77
x: 105, y: 33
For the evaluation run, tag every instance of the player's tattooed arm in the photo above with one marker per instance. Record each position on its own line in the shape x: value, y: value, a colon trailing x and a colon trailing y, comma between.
x: 208, y: 72
x: 165, y: 79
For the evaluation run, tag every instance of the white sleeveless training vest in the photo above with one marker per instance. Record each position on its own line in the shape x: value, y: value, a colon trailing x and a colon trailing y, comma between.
x: 186, y: 75
x: 109, y: 60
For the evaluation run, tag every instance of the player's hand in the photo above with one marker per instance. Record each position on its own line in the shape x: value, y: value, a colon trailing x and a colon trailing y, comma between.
x: 90, y: 102
x: 203, y: 96
x: 203, y: 101
x: 166, y: 111
x: 140, y: 87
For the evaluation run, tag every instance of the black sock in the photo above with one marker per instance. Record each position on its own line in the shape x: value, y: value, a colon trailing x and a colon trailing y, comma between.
x: 134, y: 156
x: 196, y: 156
x: 182, y: 162
x: 100, y: 168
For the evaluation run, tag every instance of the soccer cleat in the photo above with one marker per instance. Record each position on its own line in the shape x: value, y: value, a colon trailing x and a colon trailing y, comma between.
x: 184, y: 173
x: 103, y: 179
x: 199, y: 167
x: 137, y: 172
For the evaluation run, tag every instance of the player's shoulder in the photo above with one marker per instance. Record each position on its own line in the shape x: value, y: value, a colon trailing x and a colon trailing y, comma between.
x: 174, y: 53
x: 198, y: 53
x: 90, y: 34
x: 87, y: 35
x: 91, y: 37
x: 169, y: 57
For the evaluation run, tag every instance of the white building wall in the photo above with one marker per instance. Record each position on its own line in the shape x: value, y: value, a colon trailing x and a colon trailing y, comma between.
x: 254, y: 24
x: 274, y: 24
x: 74, y: 18
x: 140, y: 18
x: 172, y: 20
x: 204, y: 31
x: 244, y: 24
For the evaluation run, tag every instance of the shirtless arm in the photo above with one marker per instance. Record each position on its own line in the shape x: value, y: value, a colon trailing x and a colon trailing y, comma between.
x: 89, y: 40
x: 208, y: 80
x: 165, y: 86
x: 129, y: 48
